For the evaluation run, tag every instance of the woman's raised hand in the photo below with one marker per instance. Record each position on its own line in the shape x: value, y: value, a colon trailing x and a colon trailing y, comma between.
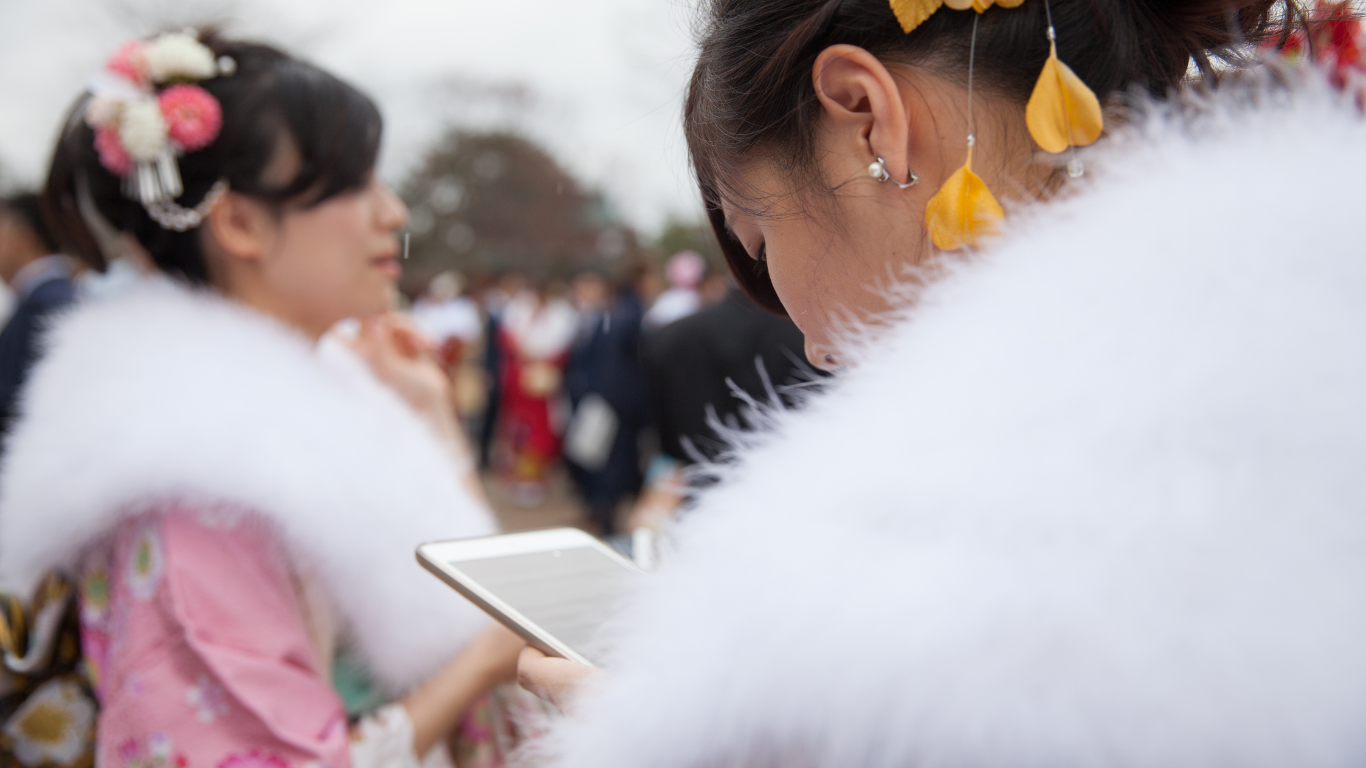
x: 402, y: 357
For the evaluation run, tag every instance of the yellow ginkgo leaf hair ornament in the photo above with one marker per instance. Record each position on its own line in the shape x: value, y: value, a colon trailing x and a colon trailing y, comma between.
x: 963, y: 210
x: 913, y: 13
x: 1062, y: 112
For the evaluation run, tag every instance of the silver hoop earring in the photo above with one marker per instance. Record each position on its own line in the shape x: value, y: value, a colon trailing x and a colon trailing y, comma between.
x: 878, y: 170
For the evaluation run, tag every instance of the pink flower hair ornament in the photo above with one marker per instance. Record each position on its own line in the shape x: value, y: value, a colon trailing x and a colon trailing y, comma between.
x: 112, y: 155
x: 193, y: 116
x: 130, y: 62
x: 140, y: 130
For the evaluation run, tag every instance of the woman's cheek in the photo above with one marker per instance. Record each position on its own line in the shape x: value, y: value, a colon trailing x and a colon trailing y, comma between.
x: 778, y: 274
x: 794, y: 285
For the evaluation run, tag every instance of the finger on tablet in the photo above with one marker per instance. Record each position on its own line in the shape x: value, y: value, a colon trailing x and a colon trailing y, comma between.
x: 558, y: 681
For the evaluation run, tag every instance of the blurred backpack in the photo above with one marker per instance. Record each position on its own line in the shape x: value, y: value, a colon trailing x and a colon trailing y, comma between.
x: 47, y: 706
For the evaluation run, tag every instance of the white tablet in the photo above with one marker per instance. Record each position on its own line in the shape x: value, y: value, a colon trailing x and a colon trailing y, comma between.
x: 556, y: 588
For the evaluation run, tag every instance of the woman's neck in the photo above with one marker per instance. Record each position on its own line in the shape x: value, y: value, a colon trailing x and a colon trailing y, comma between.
x: 254, y: 294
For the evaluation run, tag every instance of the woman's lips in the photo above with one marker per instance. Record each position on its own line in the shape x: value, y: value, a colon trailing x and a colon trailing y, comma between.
x: 389, y: 266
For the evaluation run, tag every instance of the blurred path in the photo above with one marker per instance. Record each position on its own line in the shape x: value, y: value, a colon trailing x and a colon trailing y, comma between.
x: 560, y: 507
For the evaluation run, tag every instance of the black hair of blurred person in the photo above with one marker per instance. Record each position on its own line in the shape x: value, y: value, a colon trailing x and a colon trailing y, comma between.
x: 271, y: 102
x: 26, y: 209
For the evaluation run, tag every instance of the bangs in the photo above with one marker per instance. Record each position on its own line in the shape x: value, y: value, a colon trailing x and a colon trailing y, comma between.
x: 337, y: 131
x: 276, y: 101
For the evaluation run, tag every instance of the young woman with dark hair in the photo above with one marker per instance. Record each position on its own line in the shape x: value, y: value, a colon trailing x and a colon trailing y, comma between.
x: 789, y: 104
x: 1087, y: 493
x: 239, y: 495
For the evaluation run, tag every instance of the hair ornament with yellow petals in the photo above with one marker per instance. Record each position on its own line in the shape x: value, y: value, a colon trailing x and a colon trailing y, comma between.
x: 963, y: 210
x: 1063, y: 112
x: 913, y: 13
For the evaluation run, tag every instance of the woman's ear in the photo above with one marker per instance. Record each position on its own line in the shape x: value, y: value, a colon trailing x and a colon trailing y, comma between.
x: 241, y: 227
x: 861, y: 98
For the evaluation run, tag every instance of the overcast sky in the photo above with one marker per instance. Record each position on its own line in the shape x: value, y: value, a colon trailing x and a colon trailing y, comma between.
x: 598, y: 81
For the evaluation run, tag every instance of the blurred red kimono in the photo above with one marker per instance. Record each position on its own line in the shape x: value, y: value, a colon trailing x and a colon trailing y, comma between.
x: 534, y: 339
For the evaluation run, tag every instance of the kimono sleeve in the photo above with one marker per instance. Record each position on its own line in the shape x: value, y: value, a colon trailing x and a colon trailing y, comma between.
x: 220, y: 671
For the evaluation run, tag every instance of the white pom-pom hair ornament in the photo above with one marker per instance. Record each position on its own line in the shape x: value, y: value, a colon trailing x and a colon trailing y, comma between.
x: 142, y: 129
x: 177, y: 56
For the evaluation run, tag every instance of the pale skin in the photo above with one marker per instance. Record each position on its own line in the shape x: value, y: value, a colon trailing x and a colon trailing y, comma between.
x: 311, y: 268
x: 828, y: 257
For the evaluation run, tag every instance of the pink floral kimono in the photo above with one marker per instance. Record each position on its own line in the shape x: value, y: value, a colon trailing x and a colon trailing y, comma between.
x: 194, y: 632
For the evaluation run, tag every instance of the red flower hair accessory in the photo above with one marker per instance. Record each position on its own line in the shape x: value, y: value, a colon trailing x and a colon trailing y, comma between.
x: 130, y: 61
x: 110, y: 149
x: 141, y: 127
x: 193, y: 116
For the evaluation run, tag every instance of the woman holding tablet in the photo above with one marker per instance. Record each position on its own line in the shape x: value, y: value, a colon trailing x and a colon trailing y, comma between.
x: 1089, y: 491
x: 237, y: 496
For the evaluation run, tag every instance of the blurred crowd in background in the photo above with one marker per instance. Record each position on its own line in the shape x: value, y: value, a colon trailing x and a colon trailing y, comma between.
x: 567, y: 335
x: 591, y: 367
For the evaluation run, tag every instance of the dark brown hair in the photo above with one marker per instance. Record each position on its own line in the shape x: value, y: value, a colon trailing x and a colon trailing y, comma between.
x: 270, y: 98
x: 26, y: 208
x: 751, y: 90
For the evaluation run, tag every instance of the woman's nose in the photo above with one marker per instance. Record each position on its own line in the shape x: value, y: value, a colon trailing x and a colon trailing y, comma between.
x: 821, y: 357
x: 393, y: 212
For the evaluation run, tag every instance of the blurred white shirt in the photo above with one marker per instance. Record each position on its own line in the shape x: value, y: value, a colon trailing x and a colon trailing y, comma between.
x: 457, y: 318
x: 542, y: 331
x: 673, y: 304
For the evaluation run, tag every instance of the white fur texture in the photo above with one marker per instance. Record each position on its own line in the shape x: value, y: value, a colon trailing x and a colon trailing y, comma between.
x: 1099, y: 501
x: 162, y: 393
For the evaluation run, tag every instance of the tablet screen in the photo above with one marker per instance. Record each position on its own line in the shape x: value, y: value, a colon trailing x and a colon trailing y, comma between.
x: 568, y: 592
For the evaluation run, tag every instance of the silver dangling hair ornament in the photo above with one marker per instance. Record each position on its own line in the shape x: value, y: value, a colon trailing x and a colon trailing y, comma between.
x: 146, y: 110
x: 173, y: 217
x: 878, y: 170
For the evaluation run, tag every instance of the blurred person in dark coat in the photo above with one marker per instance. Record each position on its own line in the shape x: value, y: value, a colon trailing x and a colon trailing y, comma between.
x: 607, y: 393
x: 692, y: 365
x: 699, y: 370
x: 41, y: 281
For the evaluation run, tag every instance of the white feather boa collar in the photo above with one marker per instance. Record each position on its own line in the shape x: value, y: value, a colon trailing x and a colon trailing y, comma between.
x: 1100, y: 500
x: 163, y: 392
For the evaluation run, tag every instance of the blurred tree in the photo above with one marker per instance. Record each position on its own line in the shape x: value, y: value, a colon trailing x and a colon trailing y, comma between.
x: 492, y: 201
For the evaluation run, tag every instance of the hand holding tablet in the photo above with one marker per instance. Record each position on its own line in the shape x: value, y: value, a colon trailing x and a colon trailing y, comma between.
x: 558, y: 681
x: 555, y: 588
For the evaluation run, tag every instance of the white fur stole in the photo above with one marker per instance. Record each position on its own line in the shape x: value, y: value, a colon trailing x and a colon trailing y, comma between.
x: 162, y: 392
x: 1100, y: 500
